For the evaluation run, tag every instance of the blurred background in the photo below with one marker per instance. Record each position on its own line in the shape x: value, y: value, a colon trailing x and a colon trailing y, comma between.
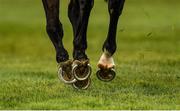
x: 148, y: 47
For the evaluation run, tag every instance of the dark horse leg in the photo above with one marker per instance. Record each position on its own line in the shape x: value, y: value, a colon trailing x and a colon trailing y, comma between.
x: 54, y: 28
x: 106, y: 62
x: 79, y: 12
x: 55, y: 32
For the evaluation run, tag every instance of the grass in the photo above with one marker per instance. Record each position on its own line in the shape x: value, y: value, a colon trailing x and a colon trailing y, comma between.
x: 148, y: 58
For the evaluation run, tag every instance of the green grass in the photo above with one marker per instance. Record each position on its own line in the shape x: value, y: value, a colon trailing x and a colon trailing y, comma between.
x: 148, y: 58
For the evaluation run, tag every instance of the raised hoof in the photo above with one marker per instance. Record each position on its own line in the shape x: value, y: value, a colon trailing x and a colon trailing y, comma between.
x: 106, y: 75
x: 82, y: 85
x: 81, y: 70
x: 64, y: 72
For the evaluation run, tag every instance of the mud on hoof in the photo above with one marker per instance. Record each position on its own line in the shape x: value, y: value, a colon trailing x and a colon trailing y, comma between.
x: 64, y: 72
x: 83, y: 85
x: 81, y: 70
x: 106, y: 75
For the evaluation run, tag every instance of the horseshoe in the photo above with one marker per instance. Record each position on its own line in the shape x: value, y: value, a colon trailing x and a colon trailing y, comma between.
x: 106, y: 75
x: 66, y: 75
x: 81, y: 72
x: 82, y: 85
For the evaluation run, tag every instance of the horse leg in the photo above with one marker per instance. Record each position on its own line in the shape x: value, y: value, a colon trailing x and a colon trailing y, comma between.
x: 55, y: 32
x: 54, y: 28
x: 79, y: 12
x: 106, y: 62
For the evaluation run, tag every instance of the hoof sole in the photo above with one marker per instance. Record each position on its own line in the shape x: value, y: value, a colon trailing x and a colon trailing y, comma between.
x: 64, y: 72
x: 81, y: 70
x: 106, y: 75
x: 82, y: 85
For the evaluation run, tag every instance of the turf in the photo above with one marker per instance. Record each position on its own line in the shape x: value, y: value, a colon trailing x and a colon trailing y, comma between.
x: 147, y: 58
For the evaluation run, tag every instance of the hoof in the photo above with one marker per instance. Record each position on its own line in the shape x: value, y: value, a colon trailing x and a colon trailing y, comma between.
x: 81, y: 70
x: 83, y: 85
x: 106, y: 65
x: 106, y: 75
x: 64, y: 72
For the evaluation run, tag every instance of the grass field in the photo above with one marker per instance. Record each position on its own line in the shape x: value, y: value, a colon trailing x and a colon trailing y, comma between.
x: 147, y: 59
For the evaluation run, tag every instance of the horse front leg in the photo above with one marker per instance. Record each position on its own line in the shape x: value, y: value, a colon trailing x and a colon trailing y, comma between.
x: 79, y: 12
x: 79, y: 19
x: 106, y: 62
x: 55, y: 32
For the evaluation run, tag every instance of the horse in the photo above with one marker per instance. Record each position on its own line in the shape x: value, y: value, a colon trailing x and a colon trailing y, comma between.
x: 77, y: 71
